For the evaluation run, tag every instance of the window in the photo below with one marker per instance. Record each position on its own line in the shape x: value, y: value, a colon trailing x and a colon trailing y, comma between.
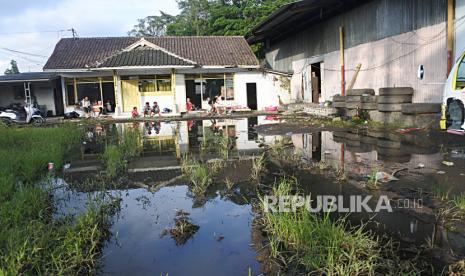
x: 158, y: 83
x: 211, y: 85
x: 460, y: 82
x: 229, y: 85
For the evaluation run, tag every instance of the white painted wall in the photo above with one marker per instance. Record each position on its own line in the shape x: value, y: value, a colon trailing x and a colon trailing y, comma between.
x: 268, y: 89
x: 44, y: 95
x: 180, y: 93
x: 42, y: 90
x: 459, y: 35
x: 389, y: 62
x: 164, y: 101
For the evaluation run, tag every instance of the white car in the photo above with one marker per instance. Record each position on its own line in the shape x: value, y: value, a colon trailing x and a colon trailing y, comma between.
x: 453, y: 112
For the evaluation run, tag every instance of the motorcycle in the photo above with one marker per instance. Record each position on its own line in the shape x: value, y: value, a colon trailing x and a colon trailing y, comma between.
x: 28, y: 114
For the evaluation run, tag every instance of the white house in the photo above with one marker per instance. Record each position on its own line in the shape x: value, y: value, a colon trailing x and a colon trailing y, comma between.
x: 129, y: 71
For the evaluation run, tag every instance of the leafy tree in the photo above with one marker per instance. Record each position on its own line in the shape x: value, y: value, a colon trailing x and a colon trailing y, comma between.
x: 154, y: 25
x: 210, y: 17
x: 14, y: 68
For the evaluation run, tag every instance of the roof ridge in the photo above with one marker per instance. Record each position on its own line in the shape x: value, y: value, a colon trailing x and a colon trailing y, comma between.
x: 167, y: 36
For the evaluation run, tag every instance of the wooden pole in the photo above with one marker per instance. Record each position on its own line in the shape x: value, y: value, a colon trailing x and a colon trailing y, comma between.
x: 450, y: 34
x: 354, y: 77
x: 343, y: 77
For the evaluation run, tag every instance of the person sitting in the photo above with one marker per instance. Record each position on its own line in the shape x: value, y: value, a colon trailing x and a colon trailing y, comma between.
x: 147, y: 109
x: 108, y: 106
x: 189, y: 105
x: 86, y: 105
x: 135, y: 113
x: 155, y: 109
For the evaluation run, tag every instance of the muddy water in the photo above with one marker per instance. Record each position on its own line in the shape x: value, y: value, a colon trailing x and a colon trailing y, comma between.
x: 223, y: 243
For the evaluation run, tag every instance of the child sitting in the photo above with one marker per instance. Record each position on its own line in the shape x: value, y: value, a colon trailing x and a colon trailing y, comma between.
x: 147, y: 109
x: 135, y: 113
x: 155, y: 109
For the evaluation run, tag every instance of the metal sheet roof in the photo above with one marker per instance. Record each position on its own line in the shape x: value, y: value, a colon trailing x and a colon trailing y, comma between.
x: 29, y: 76
x: 297, y: 16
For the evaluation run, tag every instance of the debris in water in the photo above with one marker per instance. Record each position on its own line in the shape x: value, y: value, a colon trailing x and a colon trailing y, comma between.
x: 441, y: 172
x: 421, y: 166
x: 447, y: 163
x: 183, y: 228
x: 384, y: 177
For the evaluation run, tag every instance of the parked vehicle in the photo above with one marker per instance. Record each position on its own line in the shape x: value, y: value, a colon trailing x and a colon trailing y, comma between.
x: 453, y: 112
x: 29, y: 114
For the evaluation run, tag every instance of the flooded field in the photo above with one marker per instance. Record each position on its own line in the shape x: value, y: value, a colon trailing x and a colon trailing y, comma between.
x: 188, y: 197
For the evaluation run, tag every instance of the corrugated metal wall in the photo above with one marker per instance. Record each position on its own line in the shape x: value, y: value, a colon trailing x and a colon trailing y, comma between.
x: 373, y: 21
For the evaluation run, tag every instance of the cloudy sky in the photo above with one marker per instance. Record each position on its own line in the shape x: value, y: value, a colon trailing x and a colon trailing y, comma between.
x: 33, y: 27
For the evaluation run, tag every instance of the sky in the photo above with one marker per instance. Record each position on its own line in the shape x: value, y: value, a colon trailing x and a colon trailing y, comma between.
x: 33, y: 27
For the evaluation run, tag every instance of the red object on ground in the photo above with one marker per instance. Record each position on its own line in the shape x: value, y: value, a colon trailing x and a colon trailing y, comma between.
x: 407, y: 130
x: 456, y: 132
x: 271, y: 108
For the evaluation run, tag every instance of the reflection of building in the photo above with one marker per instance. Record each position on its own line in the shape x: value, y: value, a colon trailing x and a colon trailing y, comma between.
x: 127, y: 72
x: 362, y: 155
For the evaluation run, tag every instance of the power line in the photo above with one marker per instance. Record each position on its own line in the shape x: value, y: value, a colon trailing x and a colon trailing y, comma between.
x: 24, y: 53
x: 36, y: 32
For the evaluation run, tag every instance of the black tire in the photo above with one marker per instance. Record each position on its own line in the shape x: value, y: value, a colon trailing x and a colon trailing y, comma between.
x: 389, y: 107
x: 389, y: 91
x: 395, y: 99
x: 369, y: 106
x: 38, y: 121
x: 454, y: 106
x: 369, y: 99
x: 6, y: 121
x: 339, y: 104
x: 360, y: 92
x: 353, y: 99
x: 353, y: 105
x: 339, y: 98
x: 421, y: 108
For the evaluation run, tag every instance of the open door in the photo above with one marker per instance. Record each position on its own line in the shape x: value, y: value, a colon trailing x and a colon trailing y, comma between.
x: 130, y: 94
x: 316, y: 82
x: 252, y: 96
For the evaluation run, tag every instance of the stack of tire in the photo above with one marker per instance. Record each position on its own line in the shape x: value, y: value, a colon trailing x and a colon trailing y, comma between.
x: 391, y: 99
x: 363, y: 99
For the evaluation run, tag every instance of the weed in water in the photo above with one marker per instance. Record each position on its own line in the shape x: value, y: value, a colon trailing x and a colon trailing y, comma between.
x: 258, y: 164
x: 31, y: 241
x: 198, y: 173
x: 459, y: 201
x: 113, y: 160
x: 320, y: 245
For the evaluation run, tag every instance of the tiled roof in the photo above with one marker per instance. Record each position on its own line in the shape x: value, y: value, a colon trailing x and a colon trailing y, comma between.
x: 81, y: 53
x: 144, y: 57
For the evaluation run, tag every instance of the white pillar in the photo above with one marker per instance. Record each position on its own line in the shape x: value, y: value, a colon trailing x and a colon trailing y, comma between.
x: 180, y: 92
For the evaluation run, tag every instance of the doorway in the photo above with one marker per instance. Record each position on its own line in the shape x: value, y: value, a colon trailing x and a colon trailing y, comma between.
x: 315, y: 75
x: 252, y: 96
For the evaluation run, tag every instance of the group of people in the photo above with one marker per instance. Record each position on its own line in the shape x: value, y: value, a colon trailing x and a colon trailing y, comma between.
x: 149, y: 111
x: 88, y: 107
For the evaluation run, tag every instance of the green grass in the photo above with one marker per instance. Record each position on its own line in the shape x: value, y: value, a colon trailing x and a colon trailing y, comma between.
x: 31, y: 241
x: 113, y: 160
x: 199, y: 174
x: 116, y: 155
x: 318, y: 244
x: 459, y: 201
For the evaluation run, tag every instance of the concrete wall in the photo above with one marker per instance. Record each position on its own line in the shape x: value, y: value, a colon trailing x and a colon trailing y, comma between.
x: 459, y: 35
x: 392, y: 61
x: 269, y: 87
x: 390, y: 38
x: 43, y: 92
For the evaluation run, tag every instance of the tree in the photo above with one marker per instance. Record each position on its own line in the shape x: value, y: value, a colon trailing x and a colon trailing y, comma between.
x: 210, y: 17
x: 154, y: 25
x: 14, y: 68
